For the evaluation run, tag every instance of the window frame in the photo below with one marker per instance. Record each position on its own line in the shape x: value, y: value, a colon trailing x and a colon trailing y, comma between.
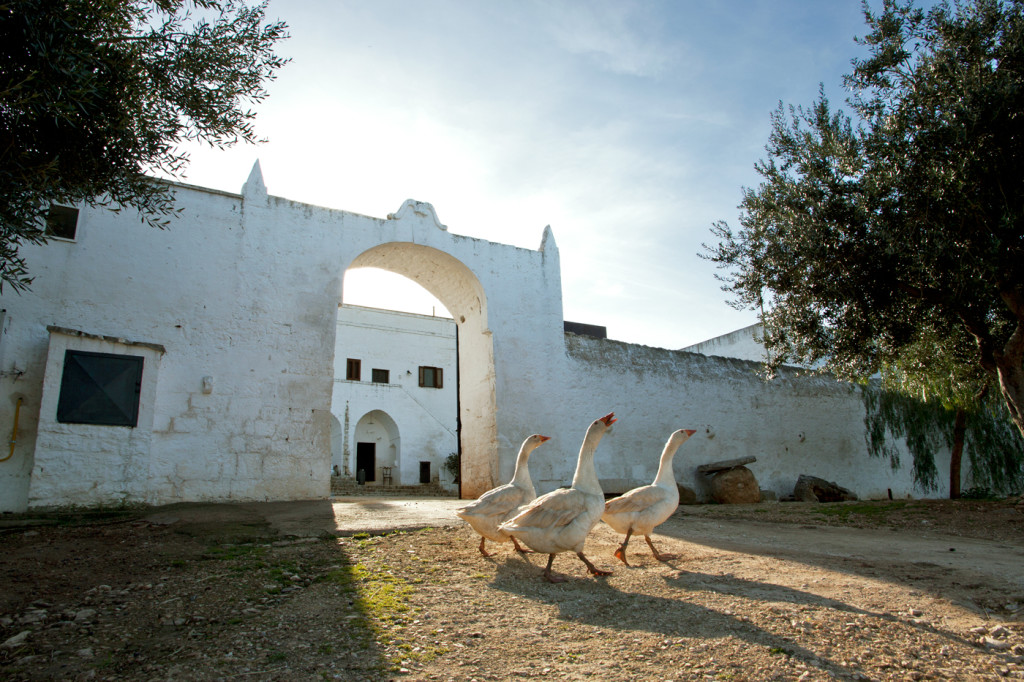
x: 377, y: 373
x: 353, y: 369
x: 70, y: 401
x: 436, y: 372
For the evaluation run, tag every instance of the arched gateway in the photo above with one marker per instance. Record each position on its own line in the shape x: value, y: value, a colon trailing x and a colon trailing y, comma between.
x: 210, y: 347
x: 454, y: 284
x: 230, y: 315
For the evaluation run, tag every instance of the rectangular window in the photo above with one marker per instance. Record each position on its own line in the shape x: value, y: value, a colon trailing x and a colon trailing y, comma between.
x: 61, y: 222
x: 100, y: 388
x: 431, y: 377
x: 381, y: 376
x: 353, y: 369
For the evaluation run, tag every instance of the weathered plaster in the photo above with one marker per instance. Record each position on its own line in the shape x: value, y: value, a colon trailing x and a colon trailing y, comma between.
x: 242, y: 293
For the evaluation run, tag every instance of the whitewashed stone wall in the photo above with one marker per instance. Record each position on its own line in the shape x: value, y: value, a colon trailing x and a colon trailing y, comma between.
x: 423, y: 421
x: 244, y: 289
x: 793, y: 425
x: 236, y: 307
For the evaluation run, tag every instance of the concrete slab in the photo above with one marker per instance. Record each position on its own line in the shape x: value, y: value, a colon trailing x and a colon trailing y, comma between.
x: 338, y: 516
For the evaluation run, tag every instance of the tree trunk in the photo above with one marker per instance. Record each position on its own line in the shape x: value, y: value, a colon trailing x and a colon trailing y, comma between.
x: 1010, y: 362
x: 1011, y: 385
x: 955, y: 458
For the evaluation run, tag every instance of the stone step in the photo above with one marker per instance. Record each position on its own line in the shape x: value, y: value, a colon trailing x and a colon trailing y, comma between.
x: 349, y: 486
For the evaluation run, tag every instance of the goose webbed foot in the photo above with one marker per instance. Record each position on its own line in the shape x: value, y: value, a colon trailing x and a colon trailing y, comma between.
x: 594, y: 570
x: 548, y: 575
x: 620, y: 553
x: 482, y: 550
x: 658, y: 555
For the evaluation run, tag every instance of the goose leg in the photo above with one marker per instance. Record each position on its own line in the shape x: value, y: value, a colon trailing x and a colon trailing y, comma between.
x: 482, y: 550
x: 521, y: 549
x: 620, y: 553
x: 550, y: 577
x: 594, y: 570
x: 659, y: 557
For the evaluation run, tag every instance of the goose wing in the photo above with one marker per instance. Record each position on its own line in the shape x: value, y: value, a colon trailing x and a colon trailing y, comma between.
x: 500, y: 501
x: 637, y: 499
x: 556, y: 509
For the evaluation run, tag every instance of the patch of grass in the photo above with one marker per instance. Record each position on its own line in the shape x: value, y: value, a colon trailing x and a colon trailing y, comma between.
x: 779, y: 651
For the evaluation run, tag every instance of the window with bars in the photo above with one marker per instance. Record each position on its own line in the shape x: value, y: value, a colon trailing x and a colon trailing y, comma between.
x: 431, y: 377
x: 380, y: 376
x: 100, y: 388
x: 353, y: 369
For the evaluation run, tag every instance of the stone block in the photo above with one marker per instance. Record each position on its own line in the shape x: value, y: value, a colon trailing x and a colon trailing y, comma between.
x: 735, y: 486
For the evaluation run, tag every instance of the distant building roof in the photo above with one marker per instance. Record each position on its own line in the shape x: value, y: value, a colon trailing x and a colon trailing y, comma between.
x: 593, y: 330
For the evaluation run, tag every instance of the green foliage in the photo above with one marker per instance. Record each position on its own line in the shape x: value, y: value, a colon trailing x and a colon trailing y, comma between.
x: 93, y: 95
x: 978, y: 493
x: 874, y: 235
x: 993, y: 446
x: 453, y: 465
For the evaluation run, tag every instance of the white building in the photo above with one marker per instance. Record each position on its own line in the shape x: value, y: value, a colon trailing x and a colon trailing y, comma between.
x: 199, y: 363
x: 395, y: 404
x: 742, y: 344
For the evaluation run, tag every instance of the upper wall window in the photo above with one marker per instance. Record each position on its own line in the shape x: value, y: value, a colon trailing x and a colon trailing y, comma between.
x: 62, y: 222
x: 100, y: 388
x: 431, y: 377
x: 381, y: 376
x: 353, y: 369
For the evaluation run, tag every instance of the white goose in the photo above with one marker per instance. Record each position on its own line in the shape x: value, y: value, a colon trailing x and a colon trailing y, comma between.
x: 502, y: 503
x: 560, y: 520
x: 641, y: 509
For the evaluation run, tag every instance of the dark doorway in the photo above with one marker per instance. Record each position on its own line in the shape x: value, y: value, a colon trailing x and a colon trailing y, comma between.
x: 366, y: 460
x: 424, y: 472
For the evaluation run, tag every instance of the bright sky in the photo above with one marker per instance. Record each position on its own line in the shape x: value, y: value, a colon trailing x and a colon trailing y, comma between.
x: 628, y: 126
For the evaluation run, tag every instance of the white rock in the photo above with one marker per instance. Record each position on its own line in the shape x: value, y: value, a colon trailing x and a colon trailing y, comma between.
x: 999, y: 632
x: 84, y: 615
x: 996, y: 644
x: 17, y: 640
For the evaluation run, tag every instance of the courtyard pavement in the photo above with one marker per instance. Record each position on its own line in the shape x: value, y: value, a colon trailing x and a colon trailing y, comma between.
x: 312, y: 518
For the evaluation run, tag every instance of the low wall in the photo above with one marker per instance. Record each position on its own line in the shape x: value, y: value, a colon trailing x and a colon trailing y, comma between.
x: 794, y: 424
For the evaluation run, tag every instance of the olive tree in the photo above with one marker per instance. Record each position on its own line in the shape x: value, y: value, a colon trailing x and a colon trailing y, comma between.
x: 900, y: 215
x: 95, y: 95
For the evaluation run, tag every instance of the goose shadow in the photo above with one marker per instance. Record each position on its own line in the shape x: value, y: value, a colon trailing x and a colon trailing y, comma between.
x: 599, y: 602
x: 766, y: 592
x: 944, y: 566
x: 596, y: 602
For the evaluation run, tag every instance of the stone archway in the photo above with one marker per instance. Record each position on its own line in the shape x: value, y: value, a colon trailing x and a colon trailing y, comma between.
x: 455, y: 285
x: 378, y: 428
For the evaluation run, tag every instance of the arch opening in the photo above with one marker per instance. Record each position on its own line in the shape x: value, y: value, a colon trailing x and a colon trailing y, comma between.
x: 457, y: 288
x: 377, y: 451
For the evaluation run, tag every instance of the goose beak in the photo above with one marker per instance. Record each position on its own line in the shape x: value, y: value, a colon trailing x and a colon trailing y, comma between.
x: 544, y: 438
x: 689, y: 432
x: 608, y: 419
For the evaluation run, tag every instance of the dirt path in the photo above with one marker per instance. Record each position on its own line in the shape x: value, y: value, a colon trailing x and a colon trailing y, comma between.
x: 299, y: 592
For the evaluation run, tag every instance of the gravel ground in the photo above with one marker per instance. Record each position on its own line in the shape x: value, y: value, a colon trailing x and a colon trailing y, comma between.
x: 908, y: 590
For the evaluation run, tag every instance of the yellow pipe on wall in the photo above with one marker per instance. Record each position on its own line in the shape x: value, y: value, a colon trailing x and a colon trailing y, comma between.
x: 14, y: 430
